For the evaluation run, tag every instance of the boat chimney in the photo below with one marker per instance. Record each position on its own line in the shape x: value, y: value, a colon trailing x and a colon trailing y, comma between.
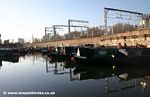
x: 78, y: 52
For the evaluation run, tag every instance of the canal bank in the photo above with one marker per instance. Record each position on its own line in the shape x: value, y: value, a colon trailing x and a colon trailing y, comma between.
x: 141, y: 36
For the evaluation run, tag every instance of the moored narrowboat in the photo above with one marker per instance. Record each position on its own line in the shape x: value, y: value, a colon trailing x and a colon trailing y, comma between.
x: 92, y: 56
x: 113, y: 56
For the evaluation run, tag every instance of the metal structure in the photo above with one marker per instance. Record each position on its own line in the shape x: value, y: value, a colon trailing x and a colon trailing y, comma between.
x: 54, y: 29
x: 107, y: 10
x: 78, y: 21
x: 69, y: 26
x: 59, y: 27
x: 47, y: 29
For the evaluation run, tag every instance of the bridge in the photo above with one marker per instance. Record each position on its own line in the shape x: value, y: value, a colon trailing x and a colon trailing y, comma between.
x: 141, y: 36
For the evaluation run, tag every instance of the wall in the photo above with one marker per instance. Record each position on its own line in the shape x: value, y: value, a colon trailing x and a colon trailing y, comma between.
x: 141, y: 36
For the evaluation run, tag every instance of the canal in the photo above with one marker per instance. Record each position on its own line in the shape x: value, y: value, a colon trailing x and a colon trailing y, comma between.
x: 36, y: 75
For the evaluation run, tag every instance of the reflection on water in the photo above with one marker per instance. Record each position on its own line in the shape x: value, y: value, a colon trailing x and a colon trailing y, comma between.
x: 115, y: 80
x: 67, y: 79
x: 13, y: 59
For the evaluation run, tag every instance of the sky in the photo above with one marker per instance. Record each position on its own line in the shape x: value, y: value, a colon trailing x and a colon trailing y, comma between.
x: 22, y: 18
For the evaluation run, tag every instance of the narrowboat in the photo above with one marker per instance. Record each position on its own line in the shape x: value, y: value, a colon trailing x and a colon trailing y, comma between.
x: 104, y: 56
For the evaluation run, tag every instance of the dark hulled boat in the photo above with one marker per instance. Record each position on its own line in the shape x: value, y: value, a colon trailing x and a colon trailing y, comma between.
x: 57, y: 54
x: 94, y: 56
x: 113, y: 56
x: 132, y: 56
x: 9, y: 51
x: 70, y: 51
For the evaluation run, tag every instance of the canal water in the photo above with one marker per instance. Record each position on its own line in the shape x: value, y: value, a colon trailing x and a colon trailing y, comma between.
x: 35, y: 74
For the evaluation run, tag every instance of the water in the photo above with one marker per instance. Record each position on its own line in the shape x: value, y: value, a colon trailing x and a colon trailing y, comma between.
x: 66, y: 79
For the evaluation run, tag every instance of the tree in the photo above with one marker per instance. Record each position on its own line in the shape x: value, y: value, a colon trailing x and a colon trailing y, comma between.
x: 120, y: 27
x: 95, y: 31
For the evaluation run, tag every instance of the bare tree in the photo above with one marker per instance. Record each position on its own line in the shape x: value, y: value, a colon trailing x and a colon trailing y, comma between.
x: 120, y: 27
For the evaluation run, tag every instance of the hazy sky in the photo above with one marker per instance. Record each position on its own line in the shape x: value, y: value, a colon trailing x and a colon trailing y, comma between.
x: 22, y: 18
